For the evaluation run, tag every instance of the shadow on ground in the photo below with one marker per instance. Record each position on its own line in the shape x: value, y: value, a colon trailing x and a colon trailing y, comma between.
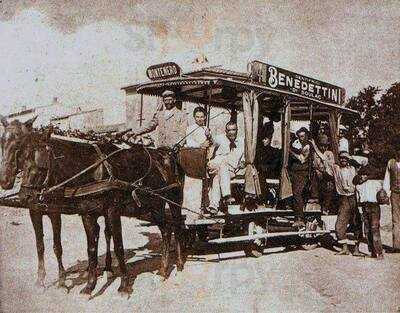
x: 150, y: 261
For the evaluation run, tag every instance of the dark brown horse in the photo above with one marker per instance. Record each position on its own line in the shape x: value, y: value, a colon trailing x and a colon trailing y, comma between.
x: 11, y: 158
x: 146, y: 174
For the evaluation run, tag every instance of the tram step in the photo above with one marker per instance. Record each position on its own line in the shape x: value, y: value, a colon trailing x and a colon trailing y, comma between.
x: 268, y: 235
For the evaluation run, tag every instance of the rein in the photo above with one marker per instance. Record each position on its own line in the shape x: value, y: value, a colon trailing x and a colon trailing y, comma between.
x: 58, y: 186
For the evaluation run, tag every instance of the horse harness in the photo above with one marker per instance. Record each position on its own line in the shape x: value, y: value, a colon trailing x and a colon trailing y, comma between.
x: 99, y: 186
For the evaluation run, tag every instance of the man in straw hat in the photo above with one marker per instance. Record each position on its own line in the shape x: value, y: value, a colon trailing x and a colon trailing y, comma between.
x: 348, y: 213
x: 169, y: 122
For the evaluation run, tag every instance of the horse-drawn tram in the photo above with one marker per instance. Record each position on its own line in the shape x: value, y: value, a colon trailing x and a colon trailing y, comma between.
x: 98, y: 176
x: 265, y: 92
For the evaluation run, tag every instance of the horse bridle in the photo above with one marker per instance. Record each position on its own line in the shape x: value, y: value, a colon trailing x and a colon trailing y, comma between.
x: 30, y: 156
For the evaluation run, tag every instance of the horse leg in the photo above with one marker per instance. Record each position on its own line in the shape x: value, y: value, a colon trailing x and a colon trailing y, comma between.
x: 37, y: 222
x: 179, y: 241
x: 179, y: 230
x: 166, y: 241
x: 92, y: 235
x: 107, y: 233
x: 57, y: 247
x: 115, y: 222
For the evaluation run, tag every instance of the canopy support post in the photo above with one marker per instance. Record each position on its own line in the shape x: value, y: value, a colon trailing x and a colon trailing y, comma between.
x: 209, y: 106
x: 285, y: 184
x: 141, y: 110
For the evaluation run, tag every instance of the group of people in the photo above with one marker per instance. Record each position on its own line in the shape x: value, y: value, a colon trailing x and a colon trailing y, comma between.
x: 226, y: 152
x: 313, y: 172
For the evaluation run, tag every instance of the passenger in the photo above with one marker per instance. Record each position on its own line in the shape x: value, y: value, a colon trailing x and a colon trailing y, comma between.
x: 299, y: 174
x: 368, y: 185
x: 169, y: 121
x: 268, y: 159
x: 227, y: 163
x: 321, y: 190
x: 391, y: 185
x: 348, y: 213
x: 197, y: 136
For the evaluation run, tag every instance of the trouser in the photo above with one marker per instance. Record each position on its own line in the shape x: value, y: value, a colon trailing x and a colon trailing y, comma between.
x: 221, y: 182
x: 192, y: 196
x: 299, y: 180
x: 266, y: 196
x: 372, y: 216
x: 322, y: 188
x: 348, y: 214
x: 395, y: 201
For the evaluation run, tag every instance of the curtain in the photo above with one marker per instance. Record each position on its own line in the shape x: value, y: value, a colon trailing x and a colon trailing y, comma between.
x: 285, y: 184
x: 333, y: 125
x: 250, y: 112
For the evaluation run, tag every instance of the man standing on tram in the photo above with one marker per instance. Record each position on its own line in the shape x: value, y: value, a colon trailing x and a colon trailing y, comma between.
x: 169, y: 122
x: 299, y: 173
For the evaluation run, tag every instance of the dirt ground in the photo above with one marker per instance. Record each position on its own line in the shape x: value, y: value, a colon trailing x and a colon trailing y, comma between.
x: 279, y: 281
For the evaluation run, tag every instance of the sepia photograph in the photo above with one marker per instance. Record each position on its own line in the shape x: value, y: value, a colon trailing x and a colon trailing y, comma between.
x: 199, y: 156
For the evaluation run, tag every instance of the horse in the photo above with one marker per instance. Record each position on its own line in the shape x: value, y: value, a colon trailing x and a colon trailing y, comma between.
x: 8, y: 171
x: 141, y: 182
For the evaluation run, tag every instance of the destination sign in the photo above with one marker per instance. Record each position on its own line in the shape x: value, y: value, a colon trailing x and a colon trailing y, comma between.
x: 284, y: 80
x: 164, y: 70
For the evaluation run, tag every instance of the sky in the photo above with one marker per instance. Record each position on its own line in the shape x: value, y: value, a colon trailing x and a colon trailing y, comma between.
x: 84, y: 51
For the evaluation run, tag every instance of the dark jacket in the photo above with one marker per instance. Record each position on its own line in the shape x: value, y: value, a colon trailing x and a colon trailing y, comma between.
x: 269, y: 160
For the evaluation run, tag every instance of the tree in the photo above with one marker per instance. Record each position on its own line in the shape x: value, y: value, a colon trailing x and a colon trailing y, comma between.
x: 379, y: 120
x: 366, y: 104
x: 387, y: 126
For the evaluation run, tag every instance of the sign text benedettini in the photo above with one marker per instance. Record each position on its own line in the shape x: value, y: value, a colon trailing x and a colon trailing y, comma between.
x: 164, y: 70
x: 284, y: 80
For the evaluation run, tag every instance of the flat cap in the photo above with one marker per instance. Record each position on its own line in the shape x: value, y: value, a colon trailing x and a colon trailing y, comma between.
x: 168, y: 93
x: 344, y: 154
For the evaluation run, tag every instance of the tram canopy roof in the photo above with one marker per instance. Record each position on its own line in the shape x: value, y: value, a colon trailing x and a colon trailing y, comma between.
x: 224, y: 88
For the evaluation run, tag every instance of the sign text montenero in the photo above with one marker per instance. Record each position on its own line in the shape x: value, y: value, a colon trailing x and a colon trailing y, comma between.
x: 162, y: 71
x: 284, y: 80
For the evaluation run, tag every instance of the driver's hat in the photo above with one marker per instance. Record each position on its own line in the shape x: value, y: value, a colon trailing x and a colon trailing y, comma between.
x: 168, y: 93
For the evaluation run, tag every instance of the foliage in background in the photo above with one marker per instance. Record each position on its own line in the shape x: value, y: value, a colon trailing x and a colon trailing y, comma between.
x: 379, y: 121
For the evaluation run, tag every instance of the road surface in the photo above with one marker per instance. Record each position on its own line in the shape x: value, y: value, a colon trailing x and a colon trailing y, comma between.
x: 279, y: 281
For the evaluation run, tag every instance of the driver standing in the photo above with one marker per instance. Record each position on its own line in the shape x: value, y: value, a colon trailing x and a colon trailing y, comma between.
x: 169, y: 122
